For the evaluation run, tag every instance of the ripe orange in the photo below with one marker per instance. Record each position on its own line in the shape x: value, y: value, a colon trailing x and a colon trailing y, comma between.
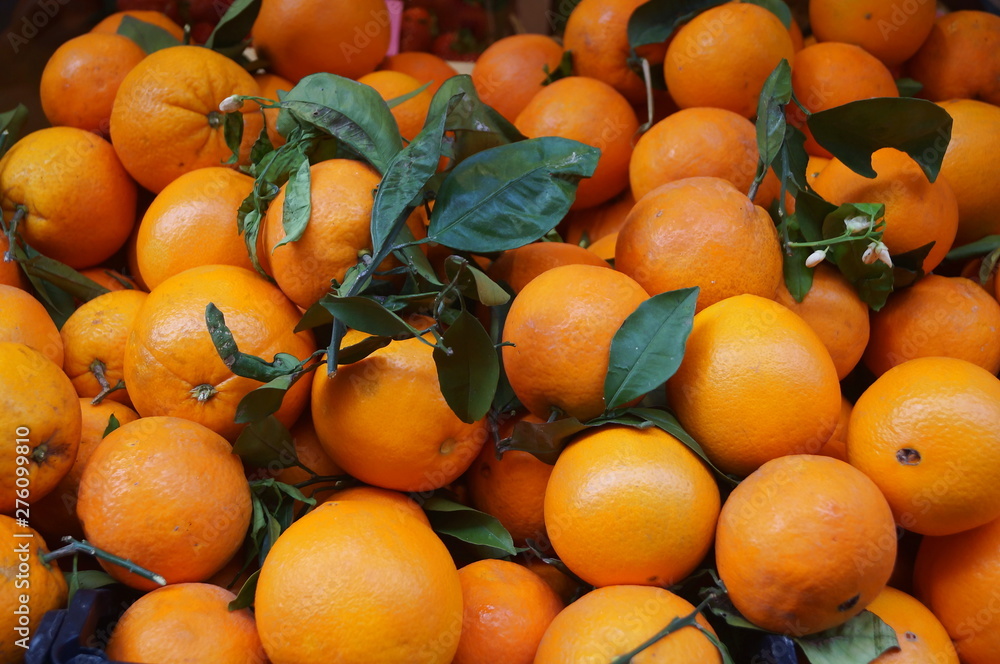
x: 42, y: 416
x: 592, y: 112
x: 700, y: 232
x: 630, y: 506
x: 167, y: 494
x: 598, y: 221
x: 921, y: 636
x: 565, y: 586
x: 162, y: 131
x: 269, y: 85
x: 614, y: 620
x: 835, y: 535
x: 924, y: 432
x: 561, y: 325
x: 516, y: 267
x: 605, y: 247
x: 836, y: 447
x: 301, y: 37
x: 890, y: 31
x: 756, y: 383
x: 61, y: 175
x: 425, y: 67
x: 916, y: 211
x: 357, y: 579
x: 411, y: 114
x: 404, y: 504
x: 192, y: 222
x: 24, y: 320
x: 171, y: 365
x: 512, y: 70
x: 723, y: 55
x: 111, y: 22
x: 310, y: 453
x: 113, y: 280
x: 186, y: 622
x: 956, y: 40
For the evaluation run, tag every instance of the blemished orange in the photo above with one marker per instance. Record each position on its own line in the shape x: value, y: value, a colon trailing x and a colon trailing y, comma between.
x: 937, y: 316
x: 301, y: 37
x: 512, y: 70
x: 81, y: 78
x: 61, y: 175
x: 591, y: 224
x: 361, y: 580
x: 889, y: 31
x: 925, y: 432
x: 310, y: 453
x: 95, y: 336
x: 111, y: 22
x: 968, y: 167
x: 270, y: 85
x: 831, y: 74
x: 836, y: 538
x: 423, y: 451
x: 410, y: 114
x: 917, y: 211
x: 516, y: 267
x: 186, y: 622
x: 42, y: 414
x: 605, y: 623
x: 169, y: 495
x: 836, y: 447
x: 956, y: 40
x: 48, y: 588
x: 162, y: 131
x: 400, y: 501
x: 723, y: 55
x: 113, y: 280
x: 592, y: 112
x: 561, y: 325
x: 700, y: 232
x: 836, y: 314
x: 24, y: 320
x: 630, y: 506
x: 694, y: 142
x: 425, y: 67
x: 756, y: 383
x: 506, y: 610
x: 921, y: 636
x: 956, y: 577
x: 193, y: 222
x: 172, y: 366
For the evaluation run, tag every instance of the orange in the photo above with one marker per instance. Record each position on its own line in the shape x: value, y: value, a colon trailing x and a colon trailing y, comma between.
x: 162, y: 131
x: 917, y: 211
x: 269, y: 85
x: 700, y: 232
x: 42, y: 415
x: 814, y: 167
x: 358, y: 579
x: 186, y: 622
x: 10, y: 271
x: 111, y: 22
x: 82, y: 76
x: 48, y: 588
x: 507, y: 609
x: 301, y: 37
x: 804, y: 544
x: 512, y: 70
x: 310, y: 453
x: 921, y: 636
x: 615, y: 620
x: 695, y: 142
x: 835, y: 313
x: 956, y: 577
x: 192, y: 222
x: 937, y: 316
x: 599, y: 221
x: 565, y: 586
x: 831, y: 74
x: 24, y: 320
x: 723, y: 55
x: 410, y: 114
x: 592, y: 112
x: 561, y: 326
x: 425, y: 67
x: 795, y: 32
x: 95, y: 336
x: 172, y: 366
x: 425, y: 450
x: 956, y: 40
x: 516, y: 267
x: 167, y: 494
x: 968, y: 167
x: 836, y: 447
x: 924, y: 432
x: 400, y: 501
x: 756, y: 383
x: 890, y: 31
x: 630, y: 506
x: 61, y: 175
x: 113, y: 280
x: 604, y: 248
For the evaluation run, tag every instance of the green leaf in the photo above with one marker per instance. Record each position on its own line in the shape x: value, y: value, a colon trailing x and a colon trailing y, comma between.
x: 244, y: 598
x: 396, y: 101
x: 57, y: 274
x: 654, y: 21
x: 666, y: 421
x: 297, y: 208
x: 792, y: 163
x: 465, y: 524
x: 266, y: 443
x: 776, y: 93
x: 472, y: 118
x: 908, y: 87
x: 776, y: 7
x: 908, y: 267
x: 243, y: 364
x: 510, y: 195
x: 544, y: 440
x: 266, y: 399
x: 113, y: 424
x: 798, y: 277
x: 473, y: 282
x: 469, y: 370
x: 366, y: 315
x: 232, y: 131
x: 980, y: 247
x: 861, y: 639
x: 854, y: 131
x: 233, y: 28
x: 562, y: 70
x: 648, y: 347
x: 11, y: 123
x: 149, y: 37
x: 873, y: 282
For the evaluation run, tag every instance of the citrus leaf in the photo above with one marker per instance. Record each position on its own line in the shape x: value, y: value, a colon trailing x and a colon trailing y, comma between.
x: 473, y: 282
x: 297, y: 207
x: 980, y: 247
x: 654, y: 21
x: 475, y: 125
x: 908, y: 87
x: 468, y: 372
x: 113, y: 424
x: 776, y: 7
x: 776, y: 93
x: 792, y: 162
x: 57, y: 274
x: 266, y: 399
x: 798, y: 277
x: 648, y: 347
x: 244, y: 364
x: 465, y: 524
x: 908, y: 267
x: 266, y: 443
x: 233, y: 29
x: 149, y: 37
x: 543, y: 440
x: 861, y: 639
x: 510, y: 195
x: 873, y: 282
x: 396, y: 101
x: 244, y: 598
x: 366, y: 315
x: 11, y: 123
x: 232, y: 131
x: 666, y: 421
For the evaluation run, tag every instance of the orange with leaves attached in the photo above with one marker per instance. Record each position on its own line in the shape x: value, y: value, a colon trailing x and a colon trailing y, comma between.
x: 921, y: 636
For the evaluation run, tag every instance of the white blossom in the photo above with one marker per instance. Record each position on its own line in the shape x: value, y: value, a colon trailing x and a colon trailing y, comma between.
x: 858, y: 224
x: 231, y: 104
x: 816, y: 257
x: 876, y: 251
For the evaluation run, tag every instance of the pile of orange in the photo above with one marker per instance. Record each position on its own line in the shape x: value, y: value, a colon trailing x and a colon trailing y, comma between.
x: 825, y: 427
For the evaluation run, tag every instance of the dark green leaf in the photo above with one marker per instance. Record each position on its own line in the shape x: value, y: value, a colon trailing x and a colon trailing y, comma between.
x: 861, y: 639
x: 469, y: 370
x: 232, y: 130
x: 472, y: 115
x: 666, y: 421
x: 908, y: 87
x: 266, y: 443
x: 473, y: 282
x: 874, y: 282
x: 545, y: 440
x: 776, y: 7
x: 261, y: 146
x: 59, y: 275
x: 470, y: 526
x: 811, y: 212
x: 975, y: 249
x: 11, y: 123
x: 362, y: 349
x: 654, y: 21
x: 792, y: 162
x: 297, y: 207
x: 563, y: 70
x: 798, y: 277
x: 648, y: 347
x: 774, y: 96
x: 113, y: 424
x: 265, y: 400
x: 244, y: 598
x: 233, y: 28
x: 149, y: 37
x: 366, y: 315
x: 396, y: 101
x: 243, y: 364
x: 908, y: 267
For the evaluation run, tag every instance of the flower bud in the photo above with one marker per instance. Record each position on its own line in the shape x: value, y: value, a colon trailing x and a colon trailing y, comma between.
x: 858, y: 224
x: 883, y: 254
x: 231, y: 104
x: 816, y: 257
x: 869, y: 256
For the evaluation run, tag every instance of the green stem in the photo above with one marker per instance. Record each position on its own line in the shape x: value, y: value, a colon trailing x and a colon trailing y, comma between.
x: 74, y: 546
x: 826, y: 243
